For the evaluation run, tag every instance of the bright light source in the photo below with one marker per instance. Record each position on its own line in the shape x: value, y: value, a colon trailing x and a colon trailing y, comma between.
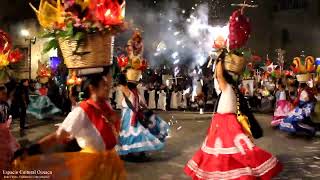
x: 25, y: 33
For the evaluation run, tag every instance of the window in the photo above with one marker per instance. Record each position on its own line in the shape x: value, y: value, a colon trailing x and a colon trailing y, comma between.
x: 291, y: 4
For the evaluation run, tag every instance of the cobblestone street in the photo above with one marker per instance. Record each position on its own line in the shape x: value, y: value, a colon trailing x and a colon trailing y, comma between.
x: 299, y: 155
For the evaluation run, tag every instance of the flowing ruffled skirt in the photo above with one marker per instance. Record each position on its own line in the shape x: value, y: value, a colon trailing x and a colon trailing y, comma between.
x: 41, y: 107
x: 282, y: 110
x: 227, y: 153
x: 74, y: 166
x: 298, y: 118
x: 134, y: 139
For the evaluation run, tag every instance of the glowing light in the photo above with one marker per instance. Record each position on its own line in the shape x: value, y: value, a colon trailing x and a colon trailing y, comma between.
x: 24, y: 33
x: 176, y: 33
x: 175, y: 55
x: 176, y: 61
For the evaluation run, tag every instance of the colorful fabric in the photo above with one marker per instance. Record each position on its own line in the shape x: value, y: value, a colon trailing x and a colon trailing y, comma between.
x: 134, y: 137
x: 41, y: 107
x: 294, y: 122
x: 75, y: 166
x: 107, y: 130
x: 88, y: 136
x: 282, y: 110
x: 227, y: 153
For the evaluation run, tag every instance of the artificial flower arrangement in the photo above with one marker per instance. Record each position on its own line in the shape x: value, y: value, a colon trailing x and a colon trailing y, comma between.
x: 77, y: 26
x: 43, y: 73
x: 239, y: 33
x: 303, y: 68
x: 76, y: 18
x: 133, y: 62
x: 8, y: 56
x: 74, y: 80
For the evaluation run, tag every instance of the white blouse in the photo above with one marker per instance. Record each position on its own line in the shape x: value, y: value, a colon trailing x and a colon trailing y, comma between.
x: 228, y: 99
x: 78, y: 125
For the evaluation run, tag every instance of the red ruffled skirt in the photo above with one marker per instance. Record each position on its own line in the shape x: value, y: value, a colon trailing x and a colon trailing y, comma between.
x: 227, y: 153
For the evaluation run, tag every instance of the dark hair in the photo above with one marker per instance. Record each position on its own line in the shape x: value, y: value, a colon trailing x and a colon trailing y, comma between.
x: 122, y: 79
x: 303, y: 85
x: 93, y: 80
x: 132, y: 85
x: 106, y: 70
x: 256, y: 129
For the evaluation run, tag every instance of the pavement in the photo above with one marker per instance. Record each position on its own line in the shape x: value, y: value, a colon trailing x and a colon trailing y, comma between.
x: 300, y: 155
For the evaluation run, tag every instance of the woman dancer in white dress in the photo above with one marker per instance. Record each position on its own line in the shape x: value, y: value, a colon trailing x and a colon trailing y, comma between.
x: 162, y: 102
x: 152, y: 99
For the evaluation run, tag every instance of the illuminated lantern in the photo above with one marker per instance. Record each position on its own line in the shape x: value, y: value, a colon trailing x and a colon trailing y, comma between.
x: 15, y: 56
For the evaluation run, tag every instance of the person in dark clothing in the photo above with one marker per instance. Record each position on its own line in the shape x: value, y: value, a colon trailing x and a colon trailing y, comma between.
x: 4, y: 107
x: 22, y: 100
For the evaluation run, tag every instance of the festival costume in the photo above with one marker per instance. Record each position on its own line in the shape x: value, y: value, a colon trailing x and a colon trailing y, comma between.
x: 133, y: 136
x: 174, y: 100
x: 119, y: 97
x: 301, y: 114
x: 227, y: 152
x: 41, y: 106
x: 152, y: 99
x: 283, y: 107
x: 97, y: 137
x: 162, y: 102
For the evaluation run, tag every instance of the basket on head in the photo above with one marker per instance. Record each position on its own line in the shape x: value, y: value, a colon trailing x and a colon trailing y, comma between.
x: 133, y: 75
x: 303, y: 77
x: 95, y: 50
x: 234, y: 63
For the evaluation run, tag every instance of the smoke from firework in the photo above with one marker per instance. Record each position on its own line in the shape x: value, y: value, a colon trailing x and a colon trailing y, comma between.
x: 172, y: 35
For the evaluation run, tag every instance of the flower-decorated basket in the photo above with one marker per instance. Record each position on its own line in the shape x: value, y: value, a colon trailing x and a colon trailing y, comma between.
x: 94, y: 51
x: 234, y: 63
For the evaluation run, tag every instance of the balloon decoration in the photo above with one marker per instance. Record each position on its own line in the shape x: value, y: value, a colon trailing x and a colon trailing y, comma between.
x: 239, y: 30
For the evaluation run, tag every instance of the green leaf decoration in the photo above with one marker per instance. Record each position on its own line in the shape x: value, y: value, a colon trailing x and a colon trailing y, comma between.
x: 79, y: 36
x: 52, y: 44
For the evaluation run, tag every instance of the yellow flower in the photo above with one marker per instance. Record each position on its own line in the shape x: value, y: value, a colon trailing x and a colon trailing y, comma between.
x: 4, y: 60
x: 83, y: 3
x: 49, y: 14
x: 136, y: 62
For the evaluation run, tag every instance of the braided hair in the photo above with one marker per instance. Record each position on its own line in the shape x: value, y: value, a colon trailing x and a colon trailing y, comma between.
x: 233, y: 80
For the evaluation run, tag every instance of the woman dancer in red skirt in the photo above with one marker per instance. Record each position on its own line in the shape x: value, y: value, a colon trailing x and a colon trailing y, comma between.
x: 228, y: 152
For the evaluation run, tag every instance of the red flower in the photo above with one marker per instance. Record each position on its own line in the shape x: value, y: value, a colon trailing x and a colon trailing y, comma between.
x: 123, y: 61
x: 108, y: 12
x: 15, y: 56
x: 144, y: 65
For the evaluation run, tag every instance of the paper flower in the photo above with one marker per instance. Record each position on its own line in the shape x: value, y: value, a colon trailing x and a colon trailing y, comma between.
x: 49, y: 14
x: 123, y: 61
x: 108, y: 12
x: 4, y: 60
x: 15, y: 56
